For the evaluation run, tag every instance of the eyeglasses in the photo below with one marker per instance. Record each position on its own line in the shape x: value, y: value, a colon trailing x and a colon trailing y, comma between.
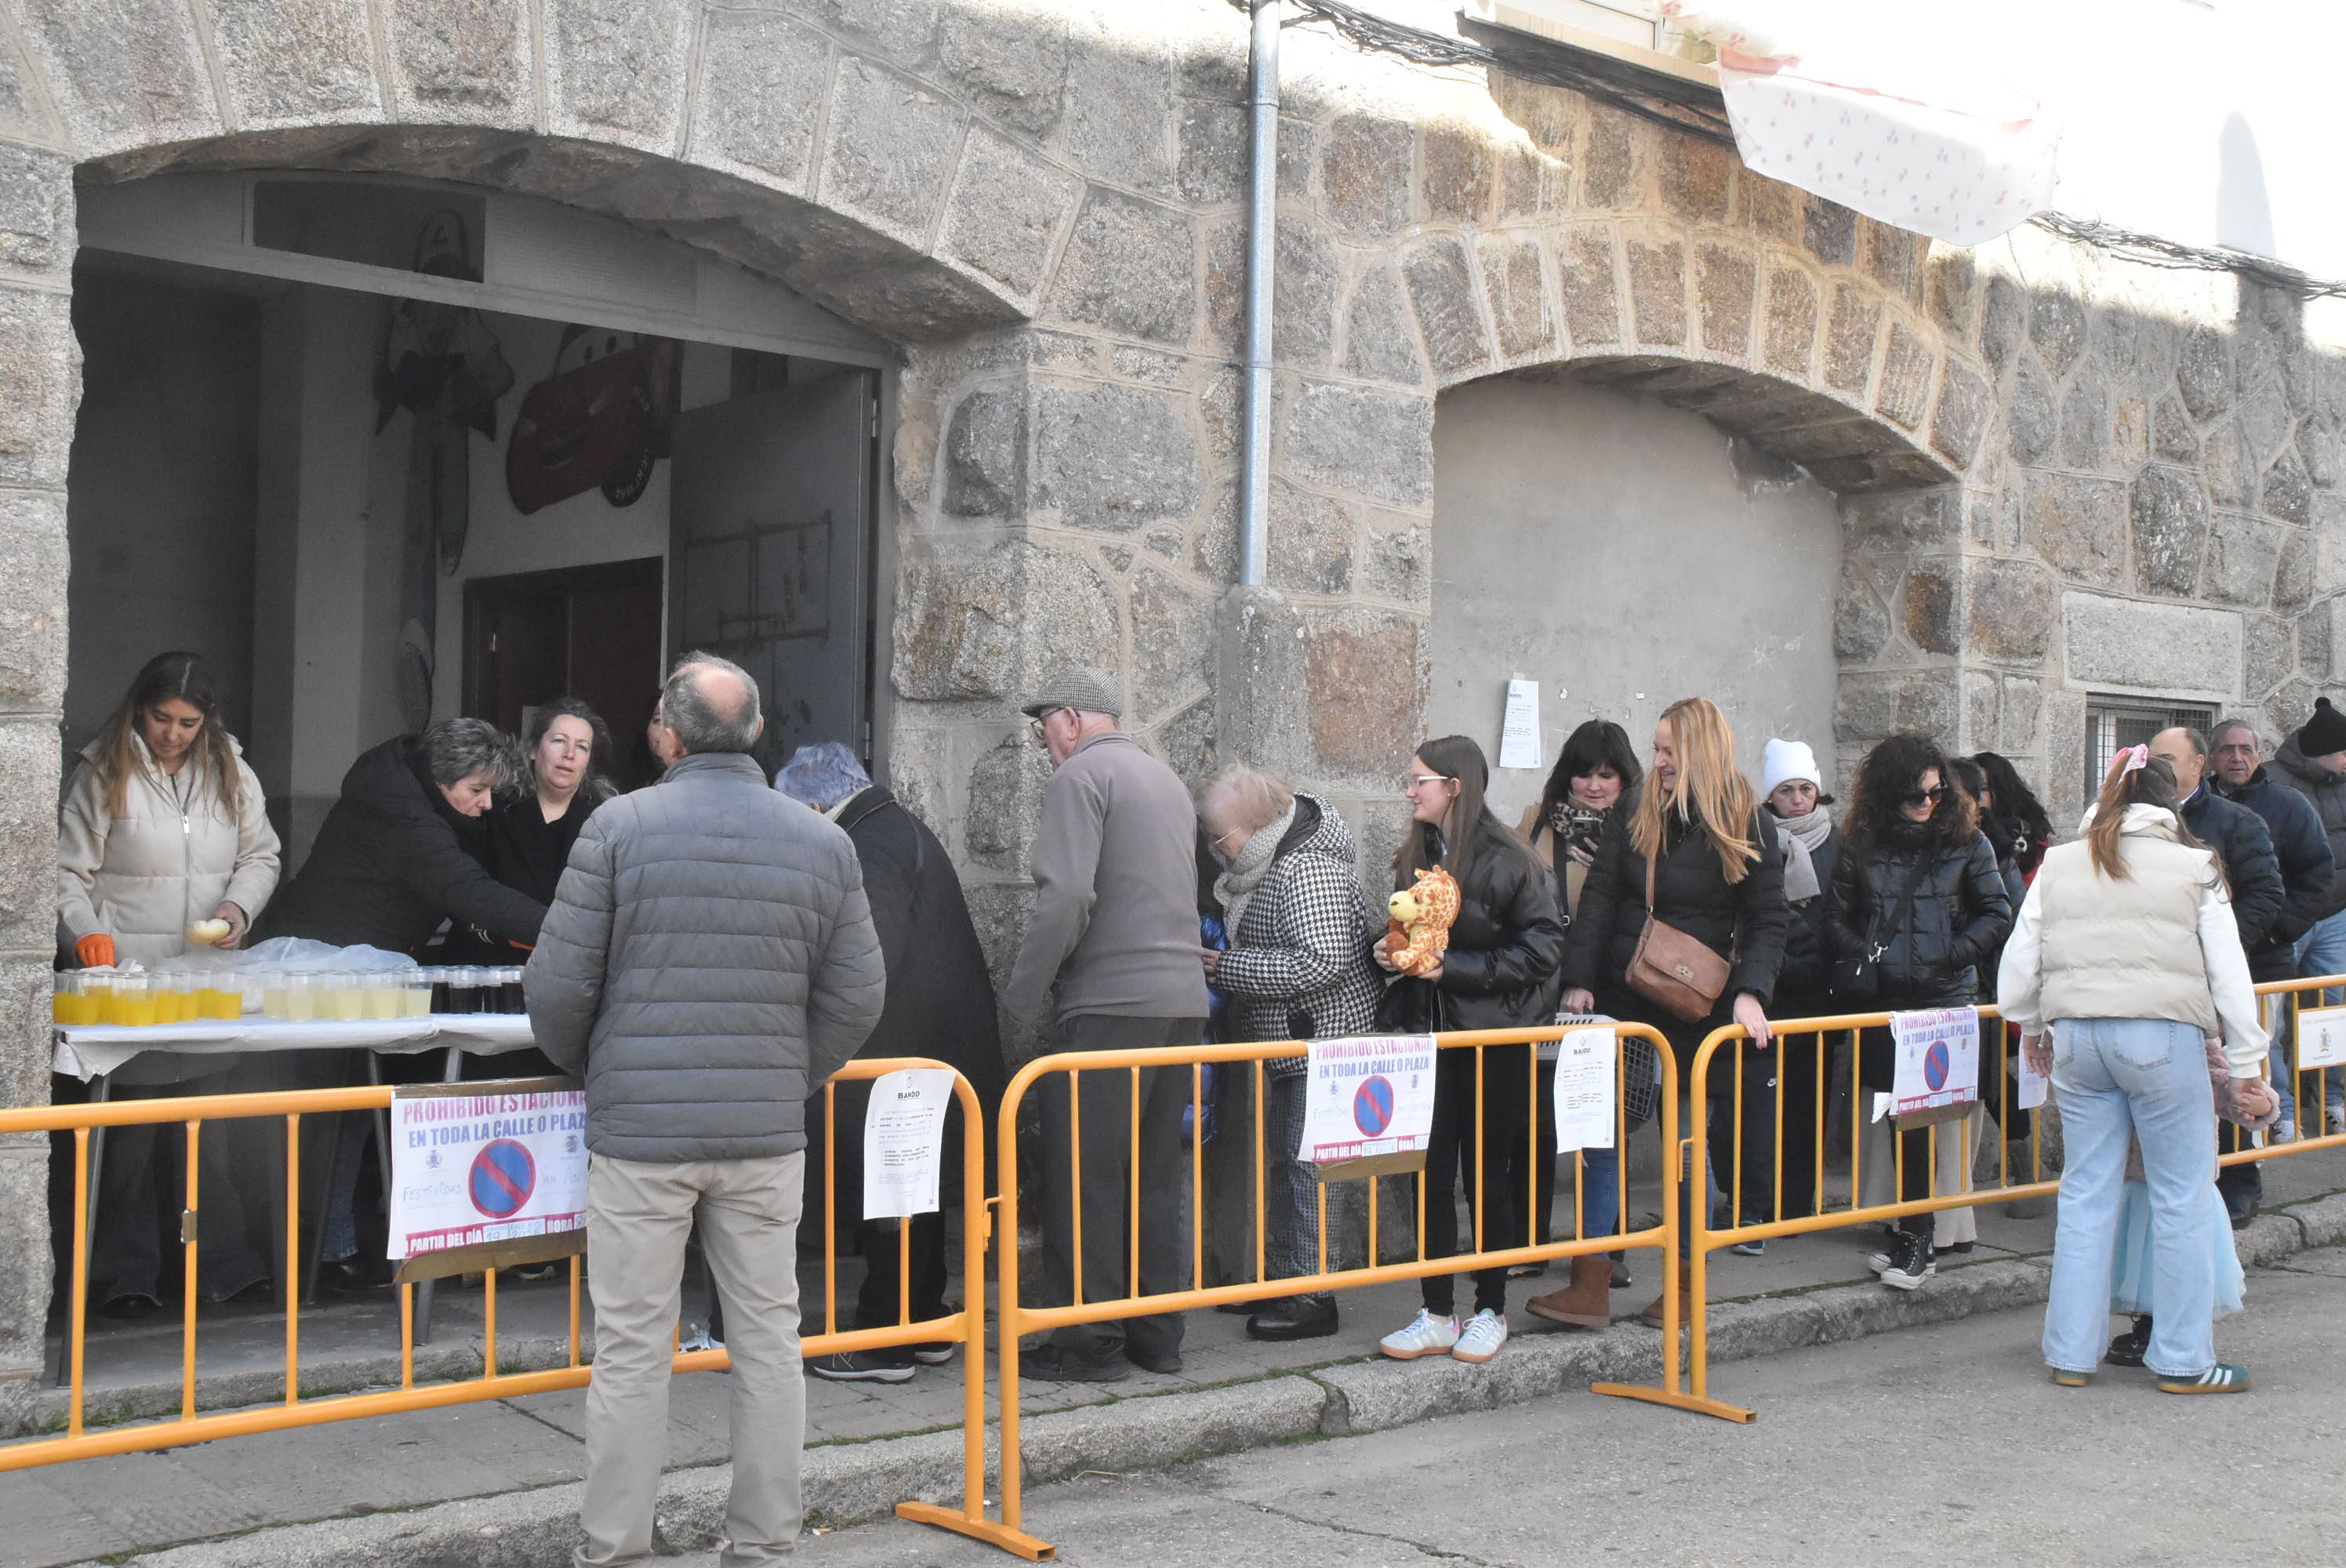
x: 1420, y: 781
x: 1038, y: 726
x: 1931, y: 797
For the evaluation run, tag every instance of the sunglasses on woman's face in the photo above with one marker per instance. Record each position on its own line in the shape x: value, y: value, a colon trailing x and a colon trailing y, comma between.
x: 1931, y: 797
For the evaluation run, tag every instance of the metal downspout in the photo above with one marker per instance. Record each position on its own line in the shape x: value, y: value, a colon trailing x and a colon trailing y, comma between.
x: 1262, y: 225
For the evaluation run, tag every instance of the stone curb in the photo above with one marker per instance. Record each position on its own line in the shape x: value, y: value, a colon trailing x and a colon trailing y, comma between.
x: 850, y: 1481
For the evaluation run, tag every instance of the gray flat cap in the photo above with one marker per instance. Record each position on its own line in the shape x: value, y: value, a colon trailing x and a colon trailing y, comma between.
x: 1084, y: 687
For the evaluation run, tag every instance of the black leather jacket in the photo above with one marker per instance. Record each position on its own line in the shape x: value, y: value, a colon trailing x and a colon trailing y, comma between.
x: 1500, y: 971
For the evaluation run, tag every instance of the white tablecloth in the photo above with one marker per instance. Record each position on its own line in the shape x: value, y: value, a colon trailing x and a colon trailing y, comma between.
x: 87, y: 1050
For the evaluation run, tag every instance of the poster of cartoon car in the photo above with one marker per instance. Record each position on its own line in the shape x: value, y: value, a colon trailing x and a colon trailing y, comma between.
x: 601, y: 419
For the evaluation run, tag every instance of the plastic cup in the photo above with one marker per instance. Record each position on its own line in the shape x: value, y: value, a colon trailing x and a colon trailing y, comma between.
x: 301, y: 998
x: 221, y: 1003
x: 380, y: 995
x: 414, y: 995
x: 63, y: 998
x: 134, y: 1001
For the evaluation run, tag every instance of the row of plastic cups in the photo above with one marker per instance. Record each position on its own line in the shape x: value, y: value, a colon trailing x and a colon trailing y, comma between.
x: 466, y: 988
x: 298, y: 996
x: 136, y: 999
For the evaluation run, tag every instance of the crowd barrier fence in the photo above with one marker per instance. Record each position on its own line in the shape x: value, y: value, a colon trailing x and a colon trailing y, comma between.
x: 1723, y: 1051
x: 1683, y: 1234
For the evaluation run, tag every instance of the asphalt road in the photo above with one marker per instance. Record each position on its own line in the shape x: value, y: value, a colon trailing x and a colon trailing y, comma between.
x: 1950, y: 1445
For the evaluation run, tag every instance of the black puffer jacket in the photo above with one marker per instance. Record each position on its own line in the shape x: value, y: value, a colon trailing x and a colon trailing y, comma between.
x: 1957, y: 922
x: 1745, y: 922
x: 2326, y: 791
x: 2244, y: 847
x: 393, y: 859
x: 2307, y: 872
x: 1500, y: 971
x: 1803, y: 983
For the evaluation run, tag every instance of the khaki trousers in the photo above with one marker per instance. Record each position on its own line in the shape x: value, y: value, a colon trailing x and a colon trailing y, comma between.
x: 638, y: 1216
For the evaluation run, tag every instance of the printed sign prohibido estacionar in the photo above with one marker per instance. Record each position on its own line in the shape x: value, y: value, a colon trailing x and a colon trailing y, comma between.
x: 1369, y: 1105
x: 1938, y: 1064
x: 487, y: 1175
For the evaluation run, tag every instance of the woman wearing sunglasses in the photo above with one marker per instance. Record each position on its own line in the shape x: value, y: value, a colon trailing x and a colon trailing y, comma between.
x: 1916, y: 906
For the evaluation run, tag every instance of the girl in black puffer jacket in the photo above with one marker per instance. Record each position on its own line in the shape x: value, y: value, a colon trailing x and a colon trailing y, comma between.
x: 1499, y: 972
x: 1918, y: 901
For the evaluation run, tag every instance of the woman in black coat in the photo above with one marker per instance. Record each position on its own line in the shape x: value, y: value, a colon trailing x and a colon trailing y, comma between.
x: 1499, y: 972
x: 1917, y: 904
x: 940, y: 1005
x: 1719, y: 876
x: 1802, y: 816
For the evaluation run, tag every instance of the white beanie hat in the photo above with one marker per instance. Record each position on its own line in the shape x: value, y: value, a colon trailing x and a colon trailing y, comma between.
x: 1789, y: 759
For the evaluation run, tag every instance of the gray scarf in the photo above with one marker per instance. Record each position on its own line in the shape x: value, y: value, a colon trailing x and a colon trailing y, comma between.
x: 1234, y: 889
x: 1802, y: 837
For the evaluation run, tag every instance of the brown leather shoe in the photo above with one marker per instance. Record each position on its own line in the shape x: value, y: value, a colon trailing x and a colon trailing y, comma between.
x: 1587, y: 1302
x: 1653, y: 1312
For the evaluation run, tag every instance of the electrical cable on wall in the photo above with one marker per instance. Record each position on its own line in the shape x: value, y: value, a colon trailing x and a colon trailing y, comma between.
x: 1384, y: 35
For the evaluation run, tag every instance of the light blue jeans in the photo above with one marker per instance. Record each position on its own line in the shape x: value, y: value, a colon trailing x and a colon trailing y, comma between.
x: 2321, y: 951
x: 2149, y: 1076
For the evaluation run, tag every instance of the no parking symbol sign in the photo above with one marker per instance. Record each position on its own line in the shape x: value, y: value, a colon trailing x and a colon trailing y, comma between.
x: 483, y: 1168
x: 1369, y: 1105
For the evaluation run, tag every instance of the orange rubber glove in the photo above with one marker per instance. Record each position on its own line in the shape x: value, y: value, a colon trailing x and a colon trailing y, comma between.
x: 94, y: 951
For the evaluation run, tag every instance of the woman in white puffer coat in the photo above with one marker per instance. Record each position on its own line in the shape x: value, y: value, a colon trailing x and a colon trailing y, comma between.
x: 163, y: 828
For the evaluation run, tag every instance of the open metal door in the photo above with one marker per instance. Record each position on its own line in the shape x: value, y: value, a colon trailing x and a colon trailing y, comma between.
x: 771, y: 551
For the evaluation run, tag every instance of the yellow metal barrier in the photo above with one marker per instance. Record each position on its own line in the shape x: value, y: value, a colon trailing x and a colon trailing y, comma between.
x: 966, y: 1327
x: 1816, y: 1034
x: 1017, y: 1319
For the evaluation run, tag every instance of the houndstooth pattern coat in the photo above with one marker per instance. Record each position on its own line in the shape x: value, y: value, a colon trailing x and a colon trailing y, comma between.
x: 1299, y: 963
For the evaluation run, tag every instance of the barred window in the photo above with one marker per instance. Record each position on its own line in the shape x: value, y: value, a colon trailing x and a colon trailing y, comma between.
x: 2113, y: 723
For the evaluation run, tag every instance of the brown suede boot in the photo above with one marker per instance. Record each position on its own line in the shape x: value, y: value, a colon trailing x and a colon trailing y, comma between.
x: 1587, y: 1302
x: 1653, y: 1312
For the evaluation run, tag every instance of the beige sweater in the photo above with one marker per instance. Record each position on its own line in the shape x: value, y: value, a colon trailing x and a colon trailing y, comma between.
x: 2162, y: 943
x: 144, y: 876
x: 1115, y: 892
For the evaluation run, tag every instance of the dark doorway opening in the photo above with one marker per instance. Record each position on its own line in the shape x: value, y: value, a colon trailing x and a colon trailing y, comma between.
x: 592, y: 632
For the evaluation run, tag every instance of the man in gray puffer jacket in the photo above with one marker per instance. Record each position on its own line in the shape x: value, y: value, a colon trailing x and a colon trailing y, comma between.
x: 709, y: 963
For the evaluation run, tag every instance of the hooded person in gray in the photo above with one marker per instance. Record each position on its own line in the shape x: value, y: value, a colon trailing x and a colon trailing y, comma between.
x: 709, y: 963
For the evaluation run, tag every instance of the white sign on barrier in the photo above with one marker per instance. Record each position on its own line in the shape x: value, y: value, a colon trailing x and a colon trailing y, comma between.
x: 1938, y: 1060
x: 469, y: 1169
x: 1586, y: 1089
x: 904, y: 1142
x: 1369, y: 1098
x: 2320, y: 1038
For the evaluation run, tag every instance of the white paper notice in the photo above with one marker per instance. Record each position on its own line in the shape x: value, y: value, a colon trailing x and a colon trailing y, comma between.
x: 1519, y: 742
x: 1368, y: 1097
x: 1938, y: 1059
x: 1585, y: 1090
x: 2321, y: 1037
x: 904, y: 1142
x: 2029, y: 1086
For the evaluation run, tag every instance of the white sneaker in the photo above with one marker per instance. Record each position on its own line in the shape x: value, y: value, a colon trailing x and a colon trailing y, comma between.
x: 1485, y: 1332
x: 2283, y: 1132
x: 2333, y: 1120
x: 1426, y: 1335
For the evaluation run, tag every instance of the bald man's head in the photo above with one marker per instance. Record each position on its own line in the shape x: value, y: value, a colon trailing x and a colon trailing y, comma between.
x: 710, y: 704
x: 2185, y: 752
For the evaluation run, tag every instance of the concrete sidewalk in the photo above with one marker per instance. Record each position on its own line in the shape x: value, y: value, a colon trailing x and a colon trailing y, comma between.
x: 496, y: 1482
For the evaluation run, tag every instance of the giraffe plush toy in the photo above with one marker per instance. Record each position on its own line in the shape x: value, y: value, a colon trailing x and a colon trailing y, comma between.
x: 1422, y: 916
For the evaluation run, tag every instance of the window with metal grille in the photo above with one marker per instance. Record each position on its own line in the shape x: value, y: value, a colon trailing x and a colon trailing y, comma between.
x: 2114, y: 722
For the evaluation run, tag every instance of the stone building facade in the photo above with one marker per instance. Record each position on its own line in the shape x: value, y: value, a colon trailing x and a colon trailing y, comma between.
x: 2057, y: 473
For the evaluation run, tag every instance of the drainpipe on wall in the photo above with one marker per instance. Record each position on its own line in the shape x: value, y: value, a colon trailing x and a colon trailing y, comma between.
x: 1263, y: 226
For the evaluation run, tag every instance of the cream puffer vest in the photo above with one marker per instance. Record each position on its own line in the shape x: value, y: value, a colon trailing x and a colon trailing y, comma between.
x: 2127, y: 949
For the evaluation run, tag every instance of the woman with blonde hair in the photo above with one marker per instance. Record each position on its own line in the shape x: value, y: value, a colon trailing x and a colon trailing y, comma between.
x: 162, y: 840
x: 1700, y: 857
x: 2125, y: 960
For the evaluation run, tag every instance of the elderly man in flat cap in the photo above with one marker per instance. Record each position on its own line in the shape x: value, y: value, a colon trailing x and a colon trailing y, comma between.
x: 1115, y: 929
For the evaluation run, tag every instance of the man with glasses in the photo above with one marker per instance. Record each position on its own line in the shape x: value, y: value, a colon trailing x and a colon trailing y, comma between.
x: 2308, y: 873
x: 1114, y: 931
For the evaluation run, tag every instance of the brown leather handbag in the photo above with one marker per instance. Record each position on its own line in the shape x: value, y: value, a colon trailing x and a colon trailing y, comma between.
x: 1674, y: 972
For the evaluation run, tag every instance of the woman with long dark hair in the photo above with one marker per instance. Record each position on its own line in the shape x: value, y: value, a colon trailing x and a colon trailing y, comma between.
x: 163, y: 828
x: 1701, y: 857
x: 1594, y: 780
x: 1916, y: 908
x: 2015, y: 820
x: 1499, y: 972
x: 2124, y: 961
